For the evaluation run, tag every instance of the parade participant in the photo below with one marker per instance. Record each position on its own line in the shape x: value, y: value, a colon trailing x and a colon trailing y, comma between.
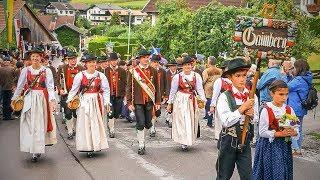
x: 7, y: 83
x: 299, y: 88
x: 142, y: 94
x: 171, y: 72
x: 155, y: 63
x: 273, y: 158
x: 183, y: 105
x: 194, y: 65
x: 210, y: 75
x: 92, y: 88
x: 272, y: 73
x: 117, y: 78
x: 66, y: 74
x: 232, y: 107
x: 221, y: 85
x: 47, y: 63
x: 37, y: 123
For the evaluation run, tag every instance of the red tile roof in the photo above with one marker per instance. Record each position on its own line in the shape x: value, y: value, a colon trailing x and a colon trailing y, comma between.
x: 16, y: 7
x: 80, y: 6
x: 313, y: 8
x: 194, y: 4
x: 51, y: 22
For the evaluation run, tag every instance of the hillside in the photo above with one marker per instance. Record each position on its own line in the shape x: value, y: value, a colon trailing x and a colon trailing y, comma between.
x: 133, y: 4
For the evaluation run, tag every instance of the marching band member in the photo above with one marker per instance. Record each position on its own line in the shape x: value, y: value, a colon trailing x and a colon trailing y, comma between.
x: 185, y: 89
x: 66, y: 74
x: 117, y: 78
x: 37, y: 123
x: 171, y: 72
x: 92, y: 88
x: 142, y: 94
x: 161, y: 83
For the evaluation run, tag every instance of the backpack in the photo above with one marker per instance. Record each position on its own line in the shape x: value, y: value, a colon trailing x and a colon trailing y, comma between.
x: 312, y: 97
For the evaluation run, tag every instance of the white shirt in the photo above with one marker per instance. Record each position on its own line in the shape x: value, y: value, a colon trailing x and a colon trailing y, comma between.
x: 217, y: 85
x: 229, y: 118
x: 264, y: 120
x: 23, y: 80
x: 104, y: 86
x: 189, y: 77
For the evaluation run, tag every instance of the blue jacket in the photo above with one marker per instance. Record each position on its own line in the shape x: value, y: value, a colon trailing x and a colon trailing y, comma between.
x: 266, y: 79
x: 299, y: 85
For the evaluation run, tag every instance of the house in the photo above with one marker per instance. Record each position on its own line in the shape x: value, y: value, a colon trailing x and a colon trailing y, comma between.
x: 137, y: 17
x: 151, y: 10
x: 52, y: 21
x: 100, y: 13
x: 28, y: 26
x: 60, y: 8
x: 309, y: 6
x: 81, y: 9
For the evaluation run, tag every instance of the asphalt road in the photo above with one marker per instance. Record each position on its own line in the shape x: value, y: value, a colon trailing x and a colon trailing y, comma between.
x: 163, y: 158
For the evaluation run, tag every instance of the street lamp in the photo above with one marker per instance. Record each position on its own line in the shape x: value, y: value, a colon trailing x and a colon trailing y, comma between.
x: 129, y: 13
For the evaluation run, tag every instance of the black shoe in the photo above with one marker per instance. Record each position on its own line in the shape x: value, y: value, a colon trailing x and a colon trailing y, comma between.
x: 90, y: 155
x: 153, y: 134
x: 34, y: 159
x: 74, y: 133
x: 63, y: 121
x: 141, y: 151
x: 111, y: 135
x: 130, y: 120
x: 184, y: 148
x: 169, y: 124
x: 70, y: 136
x: 210, y: 125
x: 38, y: 155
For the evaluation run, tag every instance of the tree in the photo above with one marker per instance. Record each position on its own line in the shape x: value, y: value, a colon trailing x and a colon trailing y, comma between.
x: 82, y: 23
x: 115, y: 19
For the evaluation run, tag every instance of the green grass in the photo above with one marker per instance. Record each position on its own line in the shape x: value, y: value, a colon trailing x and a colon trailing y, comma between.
x: 314, y: 61
x: 133, y: 4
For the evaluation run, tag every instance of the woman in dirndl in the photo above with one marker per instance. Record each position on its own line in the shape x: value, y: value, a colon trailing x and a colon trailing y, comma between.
x: 37, y: 123
x: 92, y: 87
x: 182, y: 103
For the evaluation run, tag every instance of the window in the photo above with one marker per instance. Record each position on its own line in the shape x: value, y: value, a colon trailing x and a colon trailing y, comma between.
x: 71, y: 12
x: 61, y: 12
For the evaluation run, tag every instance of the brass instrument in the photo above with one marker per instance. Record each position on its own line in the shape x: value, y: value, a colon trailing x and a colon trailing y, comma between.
x: 63, y: 82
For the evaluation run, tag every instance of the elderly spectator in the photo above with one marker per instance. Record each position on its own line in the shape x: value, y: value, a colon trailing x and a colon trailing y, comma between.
x: 298, y: 91
x: 272, y: 73
x: 210, y: 75
x: 287, y: 68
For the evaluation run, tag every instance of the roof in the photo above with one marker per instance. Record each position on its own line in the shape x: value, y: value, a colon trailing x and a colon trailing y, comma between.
x: 313, y: 8
x: 48, y: 20
x: 80, y: 6
x: 125, y: 12
x: 193, y: 4
x: 16, y: 7
x: 107, y: 7
x: 61, y: 5
x: 73, y: 27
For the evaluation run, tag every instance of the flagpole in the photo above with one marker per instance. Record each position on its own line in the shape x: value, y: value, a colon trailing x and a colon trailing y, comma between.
x: 9, y: 20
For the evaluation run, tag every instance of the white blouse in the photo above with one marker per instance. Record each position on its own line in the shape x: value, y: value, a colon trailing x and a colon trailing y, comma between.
x: 104, y: 86
x: 229, y: 118
x: 264, y: 120
x: 23, y: 80
x: 217, y: 85
x: 189, y: 77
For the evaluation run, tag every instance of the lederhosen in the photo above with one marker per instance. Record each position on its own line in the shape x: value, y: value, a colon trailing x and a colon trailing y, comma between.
x: 115, y: 99
x: 69, y: 77
x: 229, y: 148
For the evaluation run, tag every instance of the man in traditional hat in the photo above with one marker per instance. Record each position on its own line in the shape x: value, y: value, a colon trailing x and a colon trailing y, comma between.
x: 162, y: 84
x: 171, y: 72
x: 143, y: 93
x: 117, y: 78
x: 232, y: 107
x: 48, y: 63
x: 7, y: 83
x: 66, y: 74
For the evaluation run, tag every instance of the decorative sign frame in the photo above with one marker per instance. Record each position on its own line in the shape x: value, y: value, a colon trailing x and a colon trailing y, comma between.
x: 265, y: 38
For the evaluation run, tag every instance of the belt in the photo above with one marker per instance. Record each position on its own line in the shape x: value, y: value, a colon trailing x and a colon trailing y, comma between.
x: 231, y: 131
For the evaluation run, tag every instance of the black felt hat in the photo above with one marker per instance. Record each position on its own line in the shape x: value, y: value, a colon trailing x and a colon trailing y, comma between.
x: 234, y: 65
x: 186, y: 60
x: 70, y: 53
x: 172, y: 63
x: 88, y: 57
x: 113, y: 56
x: 36, y: 49
x: 143, y: 52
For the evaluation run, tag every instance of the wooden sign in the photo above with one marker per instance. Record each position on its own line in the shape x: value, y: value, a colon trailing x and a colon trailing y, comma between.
x: 270, y: 38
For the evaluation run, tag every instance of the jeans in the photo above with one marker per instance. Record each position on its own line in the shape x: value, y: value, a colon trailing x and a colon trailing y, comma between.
x: 207, y: 108
x: 297, y: 143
